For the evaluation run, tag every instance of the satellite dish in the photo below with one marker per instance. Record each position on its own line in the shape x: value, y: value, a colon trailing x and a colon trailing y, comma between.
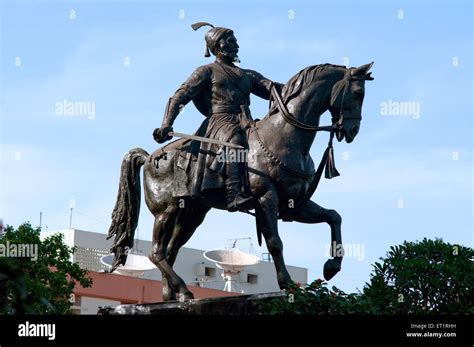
x: 135, y: 266
x: 232, y: 261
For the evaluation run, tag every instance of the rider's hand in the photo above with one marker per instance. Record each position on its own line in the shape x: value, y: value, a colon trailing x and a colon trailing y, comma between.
x: 161, y: 134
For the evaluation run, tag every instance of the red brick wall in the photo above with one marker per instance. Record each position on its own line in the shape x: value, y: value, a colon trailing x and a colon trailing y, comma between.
x: 135, y: 290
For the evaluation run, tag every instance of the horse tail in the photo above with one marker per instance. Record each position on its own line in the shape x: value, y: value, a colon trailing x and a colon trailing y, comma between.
x: 127, y: 208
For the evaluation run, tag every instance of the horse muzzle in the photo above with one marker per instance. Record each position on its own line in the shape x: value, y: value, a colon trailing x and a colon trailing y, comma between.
x: 340, y: 134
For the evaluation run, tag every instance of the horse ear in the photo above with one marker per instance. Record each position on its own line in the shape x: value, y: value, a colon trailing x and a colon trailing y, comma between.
x: 363, y: 70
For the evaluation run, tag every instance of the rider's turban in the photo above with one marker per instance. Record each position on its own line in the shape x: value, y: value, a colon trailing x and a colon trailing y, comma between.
x: 212, y: 36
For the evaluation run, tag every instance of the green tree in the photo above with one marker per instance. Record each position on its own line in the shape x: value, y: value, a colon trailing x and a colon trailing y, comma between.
x: 316, y: 299
x: 41, y: 286
x: 427, y: 277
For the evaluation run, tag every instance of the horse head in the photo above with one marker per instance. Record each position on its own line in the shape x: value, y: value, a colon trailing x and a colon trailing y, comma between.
x: 347, y: 96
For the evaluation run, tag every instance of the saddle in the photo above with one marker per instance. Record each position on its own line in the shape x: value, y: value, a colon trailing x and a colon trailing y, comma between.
x: 196, y: 165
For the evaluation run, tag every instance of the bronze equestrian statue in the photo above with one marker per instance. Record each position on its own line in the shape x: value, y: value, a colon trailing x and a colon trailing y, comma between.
x: 186, y: 178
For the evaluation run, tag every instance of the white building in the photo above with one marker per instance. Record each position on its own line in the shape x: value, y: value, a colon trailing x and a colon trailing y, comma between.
x: 190, y: 265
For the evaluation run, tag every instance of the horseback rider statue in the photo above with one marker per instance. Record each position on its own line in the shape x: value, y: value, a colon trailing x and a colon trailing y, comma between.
x: 221, y: 91
x: 186, y: 178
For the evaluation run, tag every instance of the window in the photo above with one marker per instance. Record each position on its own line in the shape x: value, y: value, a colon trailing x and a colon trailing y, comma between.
x: 210, y: 272
x: 252, y: 279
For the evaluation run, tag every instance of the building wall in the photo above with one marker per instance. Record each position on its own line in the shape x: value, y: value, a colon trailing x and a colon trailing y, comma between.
x: 131, y: 290
x: 190, y: 264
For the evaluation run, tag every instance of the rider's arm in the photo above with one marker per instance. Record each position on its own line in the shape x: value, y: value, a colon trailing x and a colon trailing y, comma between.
x: 186, y: 92
x: 261, y: 86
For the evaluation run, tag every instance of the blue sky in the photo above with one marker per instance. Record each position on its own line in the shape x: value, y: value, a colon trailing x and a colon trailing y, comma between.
x: 422, y: 52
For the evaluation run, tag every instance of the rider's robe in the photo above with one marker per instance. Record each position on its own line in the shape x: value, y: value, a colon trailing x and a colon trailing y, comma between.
x: 222, y: 94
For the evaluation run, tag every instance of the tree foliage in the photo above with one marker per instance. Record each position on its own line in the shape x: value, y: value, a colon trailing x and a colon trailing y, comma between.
x: 316, y: 299
x: 424, y: 277
x: 43, y: 286
x: 427, y: 277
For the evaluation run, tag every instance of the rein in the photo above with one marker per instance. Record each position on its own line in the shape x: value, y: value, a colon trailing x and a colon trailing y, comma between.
x: 327, y: 161
x: 289, y: 118
x: 338, y: 88
x: 328, y: 156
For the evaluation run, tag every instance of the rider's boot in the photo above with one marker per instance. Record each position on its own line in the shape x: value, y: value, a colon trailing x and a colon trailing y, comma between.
x: 236, y: 199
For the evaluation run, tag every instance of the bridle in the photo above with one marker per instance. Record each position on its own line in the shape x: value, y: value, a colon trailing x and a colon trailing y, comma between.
x: 340, y: 87
x: 327, y: 161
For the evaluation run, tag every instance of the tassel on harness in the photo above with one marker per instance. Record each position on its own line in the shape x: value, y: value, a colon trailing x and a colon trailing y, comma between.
x: 330, y: 165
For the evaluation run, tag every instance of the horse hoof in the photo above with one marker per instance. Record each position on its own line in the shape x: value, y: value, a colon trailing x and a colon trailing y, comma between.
x: 169, y: 296
x: 285, y: 283
x: 331, y: 268
x: 185, y: 296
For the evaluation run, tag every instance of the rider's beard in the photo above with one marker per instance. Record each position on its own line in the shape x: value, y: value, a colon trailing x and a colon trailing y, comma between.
x: 235, y: 58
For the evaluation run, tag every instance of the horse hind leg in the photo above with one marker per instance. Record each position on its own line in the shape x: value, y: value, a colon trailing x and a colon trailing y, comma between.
x: 163, y: 229
x: 266, y: 213
x: 187, y: 223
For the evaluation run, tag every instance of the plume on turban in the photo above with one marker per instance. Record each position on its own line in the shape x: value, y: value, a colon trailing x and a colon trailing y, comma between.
x: 212, y: 36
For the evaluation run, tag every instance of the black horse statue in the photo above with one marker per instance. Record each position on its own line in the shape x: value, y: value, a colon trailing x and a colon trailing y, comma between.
x: 281, y: 175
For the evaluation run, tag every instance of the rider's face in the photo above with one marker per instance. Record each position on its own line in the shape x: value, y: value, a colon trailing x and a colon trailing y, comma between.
x: 228, y: 46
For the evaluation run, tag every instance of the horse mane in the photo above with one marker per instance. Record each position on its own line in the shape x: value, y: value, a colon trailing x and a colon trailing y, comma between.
x: 296, y: 83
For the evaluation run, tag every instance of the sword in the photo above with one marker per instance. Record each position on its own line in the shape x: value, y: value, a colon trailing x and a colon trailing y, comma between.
x: 204, y: 139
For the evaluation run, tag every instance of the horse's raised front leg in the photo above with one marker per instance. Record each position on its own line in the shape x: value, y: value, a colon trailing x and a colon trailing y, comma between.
x: 162, y: 231
x: 187, y: 222
x: 312, y: 213
x: 266, y: 214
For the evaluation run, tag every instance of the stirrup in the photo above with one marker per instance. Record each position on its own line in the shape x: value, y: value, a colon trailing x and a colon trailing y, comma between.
x: 241, y: 203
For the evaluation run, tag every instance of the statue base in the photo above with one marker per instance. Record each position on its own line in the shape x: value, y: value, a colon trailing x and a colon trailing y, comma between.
x: 228, y: 305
